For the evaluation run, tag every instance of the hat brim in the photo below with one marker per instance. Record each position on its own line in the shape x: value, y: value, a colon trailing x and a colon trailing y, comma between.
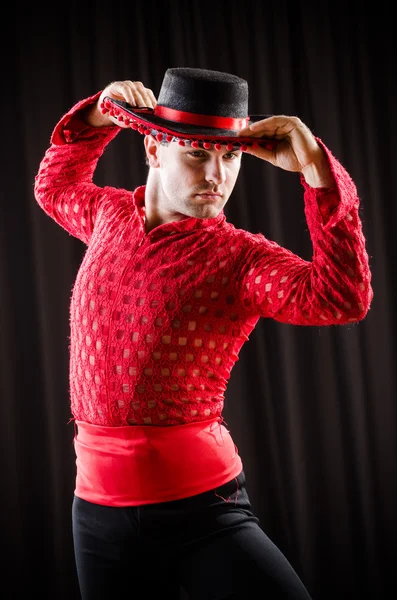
x: 144, y: 117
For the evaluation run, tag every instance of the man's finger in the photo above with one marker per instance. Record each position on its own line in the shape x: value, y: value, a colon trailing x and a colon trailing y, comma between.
x: 246, y: 131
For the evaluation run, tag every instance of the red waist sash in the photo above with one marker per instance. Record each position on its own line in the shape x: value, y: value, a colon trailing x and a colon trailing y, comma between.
x: 143, y: 464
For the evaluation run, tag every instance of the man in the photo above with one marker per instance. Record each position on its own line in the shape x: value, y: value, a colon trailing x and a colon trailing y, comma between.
x: 166, y: 295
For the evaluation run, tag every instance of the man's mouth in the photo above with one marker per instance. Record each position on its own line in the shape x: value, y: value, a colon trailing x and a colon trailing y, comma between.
x: 212, y: 195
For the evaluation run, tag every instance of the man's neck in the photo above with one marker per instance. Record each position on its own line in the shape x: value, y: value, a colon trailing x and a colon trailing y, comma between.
x: 155, y: 214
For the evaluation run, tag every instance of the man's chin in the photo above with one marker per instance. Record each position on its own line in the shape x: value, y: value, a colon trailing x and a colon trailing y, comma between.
x: 202, y: 209
x: 206, y: 211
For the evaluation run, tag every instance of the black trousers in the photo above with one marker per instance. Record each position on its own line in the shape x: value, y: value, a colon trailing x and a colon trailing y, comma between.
x: 209, y: 547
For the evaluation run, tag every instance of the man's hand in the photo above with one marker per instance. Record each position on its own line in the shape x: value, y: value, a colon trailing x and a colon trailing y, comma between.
x: 292, y: 147
x: 133, y: 92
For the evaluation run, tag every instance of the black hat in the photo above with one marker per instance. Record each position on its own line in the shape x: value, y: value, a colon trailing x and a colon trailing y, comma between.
x: 197, y: 106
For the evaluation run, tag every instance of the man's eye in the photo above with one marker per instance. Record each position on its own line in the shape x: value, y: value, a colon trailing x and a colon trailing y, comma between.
x: 201, y: 154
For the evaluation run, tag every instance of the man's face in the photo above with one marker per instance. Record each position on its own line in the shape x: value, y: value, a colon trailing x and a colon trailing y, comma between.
x: 193, y: 182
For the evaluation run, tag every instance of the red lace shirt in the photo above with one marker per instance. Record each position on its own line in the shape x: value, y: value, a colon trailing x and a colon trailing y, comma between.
x: 158, y: 320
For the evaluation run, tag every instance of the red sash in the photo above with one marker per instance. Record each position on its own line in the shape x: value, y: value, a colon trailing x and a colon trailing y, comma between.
x: 143, y: 464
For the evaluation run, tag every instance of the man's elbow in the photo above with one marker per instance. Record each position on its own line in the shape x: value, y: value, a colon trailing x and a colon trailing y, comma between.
x: 363, y: 305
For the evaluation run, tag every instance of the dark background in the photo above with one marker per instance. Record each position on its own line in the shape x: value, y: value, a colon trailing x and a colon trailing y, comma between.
x: 312, y: 409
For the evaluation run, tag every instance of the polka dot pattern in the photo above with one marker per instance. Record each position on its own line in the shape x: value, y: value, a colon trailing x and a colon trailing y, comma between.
x: 157, y: 320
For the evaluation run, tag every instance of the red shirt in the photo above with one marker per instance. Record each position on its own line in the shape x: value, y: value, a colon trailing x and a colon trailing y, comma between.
x: 158, y: 319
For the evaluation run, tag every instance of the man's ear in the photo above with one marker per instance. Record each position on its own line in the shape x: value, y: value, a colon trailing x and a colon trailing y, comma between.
x: 152, y: 148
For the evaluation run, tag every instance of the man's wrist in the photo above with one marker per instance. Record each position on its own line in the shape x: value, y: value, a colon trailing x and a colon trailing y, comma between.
x: 318, y: 178
x: 93, y: 116
x: 318, y: 174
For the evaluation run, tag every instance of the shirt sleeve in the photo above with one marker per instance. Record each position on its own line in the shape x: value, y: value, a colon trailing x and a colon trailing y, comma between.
x: 64, y: 186
x: 333, y: 288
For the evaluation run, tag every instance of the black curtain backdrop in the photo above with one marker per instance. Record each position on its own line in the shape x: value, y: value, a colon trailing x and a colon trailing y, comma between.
x: 312, y: 409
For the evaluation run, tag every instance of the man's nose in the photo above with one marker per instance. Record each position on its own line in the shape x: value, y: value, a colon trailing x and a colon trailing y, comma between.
x: 215, y: 171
